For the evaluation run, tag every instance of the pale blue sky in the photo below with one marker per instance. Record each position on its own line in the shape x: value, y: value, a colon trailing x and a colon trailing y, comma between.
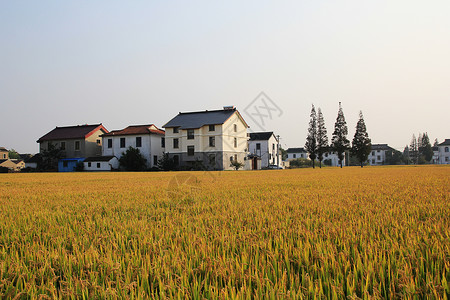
x: 137, y: 62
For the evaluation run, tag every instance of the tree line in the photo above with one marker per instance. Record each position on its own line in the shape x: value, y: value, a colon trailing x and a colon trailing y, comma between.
x: 317, y: 140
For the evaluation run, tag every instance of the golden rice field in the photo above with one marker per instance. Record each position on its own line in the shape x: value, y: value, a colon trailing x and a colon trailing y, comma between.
x: 376, y: 232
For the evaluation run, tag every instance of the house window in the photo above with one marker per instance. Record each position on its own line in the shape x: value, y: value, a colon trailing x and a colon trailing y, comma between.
x: 77, y: 145
x: 175, y: 143
x: 65, y: 164
x: 175, y: 130
x: 295, y: 155
x: 235, y: 157
x: 212, y: 127
x: 138, y: 142
x: 373, y: 161
x: 4, y: 155
x: 373, y: 153
x: 122, y: 142
x: 155, y: 160
x: 63, y: 145
x: 109, y: 143
x: 89, y: 164
x: 212, y: 159
x: 190, y: 134
x: 98, y: 165
x: 258, y: 147
x: 446, y: 159
x: 326, y: 154
x: 231, y: 158
x: 273, y: 147
x: 446, y: 149
x: 235, y: 142
x: 378, y: 151
x: 176, y: 160
x: 235, y: 128
x: 190, y: 150
x: 163, y: 142
x: 99, y: 142
x: 212, y: 141
x: 378, y: 157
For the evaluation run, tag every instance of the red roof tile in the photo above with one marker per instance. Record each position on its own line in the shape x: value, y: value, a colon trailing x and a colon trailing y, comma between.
x: 136, y: 129
x: 72, y: 132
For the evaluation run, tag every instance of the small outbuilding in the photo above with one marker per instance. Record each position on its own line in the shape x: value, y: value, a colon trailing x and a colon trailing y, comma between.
x: 101, y: 163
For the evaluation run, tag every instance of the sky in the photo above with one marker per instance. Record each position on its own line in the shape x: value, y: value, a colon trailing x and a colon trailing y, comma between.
x: 120, y: 63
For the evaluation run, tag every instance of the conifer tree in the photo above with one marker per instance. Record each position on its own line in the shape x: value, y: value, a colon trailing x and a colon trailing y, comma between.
x: 339, y: 141
x: 311, y: 139
x: 413, y: 150
x: 361, y: 144
x: 322, y: 138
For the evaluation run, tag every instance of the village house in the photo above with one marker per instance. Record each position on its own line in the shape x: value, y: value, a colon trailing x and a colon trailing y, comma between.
x: 444, y: 152
x: 4, y: 153
x: 294, y: 153
x: 149, y: 139
x: 75, y: 142
x: 213, y: 138
x: 265, y: 146
x: 380, y: 154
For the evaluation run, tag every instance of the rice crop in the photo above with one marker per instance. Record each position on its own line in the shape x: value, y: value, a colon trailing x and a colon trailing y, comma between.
x: 371, y: 233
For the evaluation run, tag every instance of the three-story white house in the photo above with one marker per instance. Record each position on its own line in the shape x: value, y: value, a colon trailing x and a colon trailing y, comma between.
x: 149, y: 139
x: 265, y: 146
x: 214, y: 138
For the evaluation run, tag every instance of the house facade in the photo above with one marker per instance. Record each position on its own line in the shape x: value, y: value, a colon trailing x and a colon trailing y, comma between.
x: 444, y: 152
x: 294, y: 153
x: 380, y: 154
x: 102, y: 163
x: 75, y: 142
x: 213, y: 138
x: 265, y: 146
x: 149, y: 139
x: 4, y: 153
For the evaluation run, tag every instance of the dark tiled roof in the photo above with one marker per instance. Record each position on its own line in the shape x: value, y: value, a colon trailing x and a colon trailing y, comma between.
x: 3, y: 149
x: 34, y: 159
x: 193, y: 120
x: 260, y: 136
x: 445, y: 143
x: 98, y: 158
x: 3, y: 160
x: 295, y: 150
x: 381, y: 147
x: 72, y: 132
x: 136, y: 129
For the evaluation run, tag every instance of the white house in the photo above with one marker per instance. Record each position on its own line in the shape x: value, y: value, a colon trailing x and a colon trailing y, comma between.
x: 380, y: 154
x: 265, y: 146
x: 294, y: 153
x: 149, y: 139
x: 332, y: 159
x: 444, y: 152
x: 101, y: 163
x: 213, y: 138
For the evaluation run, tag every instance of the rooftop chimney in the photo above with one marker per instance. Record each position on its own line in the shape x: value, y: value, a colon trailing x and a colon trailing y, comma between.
x: 230, y: 107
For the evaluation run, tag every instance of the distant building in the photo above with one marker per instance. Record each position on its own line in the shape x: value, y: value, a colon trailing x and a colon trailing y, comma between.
x: 76, y: 143
x: 294, y: 153
x: 380, y: 154
x: 265, y: 146
x: 444, y: 152
x: 101, y: 163
x: 435, y: 159
x: 149, y: 139
x: 4, y: 153
x: 212, y: 138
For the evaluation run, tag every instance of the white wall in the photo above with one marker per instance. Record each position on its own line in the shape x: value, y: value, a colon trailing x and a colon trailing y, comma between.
x: 104, y: 165
x: 267, y: 152
x: 151, y: 146
x: 377, y: 157
x: 444, y: 157
x: 290, y: 156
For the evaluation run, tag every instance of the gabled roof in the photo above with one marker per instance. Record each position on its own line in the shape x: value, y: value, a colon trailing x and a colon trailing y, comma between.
x: 136, y: 129
x: 98, y: 158
x: 260, y: 136
x: 3, y: 149
x: 445, y: 143
x: 295, y: 150
x: 194, y: 120
x: 382, y: 147
x: 72, y: 132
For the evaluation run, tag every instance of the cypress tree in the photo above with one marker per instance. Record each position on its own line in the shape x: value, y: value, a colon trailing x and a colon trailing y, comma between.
x: 361, y: 145
x: 339, y: 141
x: 311, y: 139
x: 322, y: 138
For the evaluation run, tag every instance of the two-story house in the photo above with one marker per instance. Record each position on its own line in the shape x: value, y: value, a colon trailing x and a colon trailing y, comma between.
x: 75, y: 142
x: 294, y: 153
x: 444, y: 152
x: 149, y: 139
x: 213, y: 138
x: 265, y: 146
x: 379, y: 154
